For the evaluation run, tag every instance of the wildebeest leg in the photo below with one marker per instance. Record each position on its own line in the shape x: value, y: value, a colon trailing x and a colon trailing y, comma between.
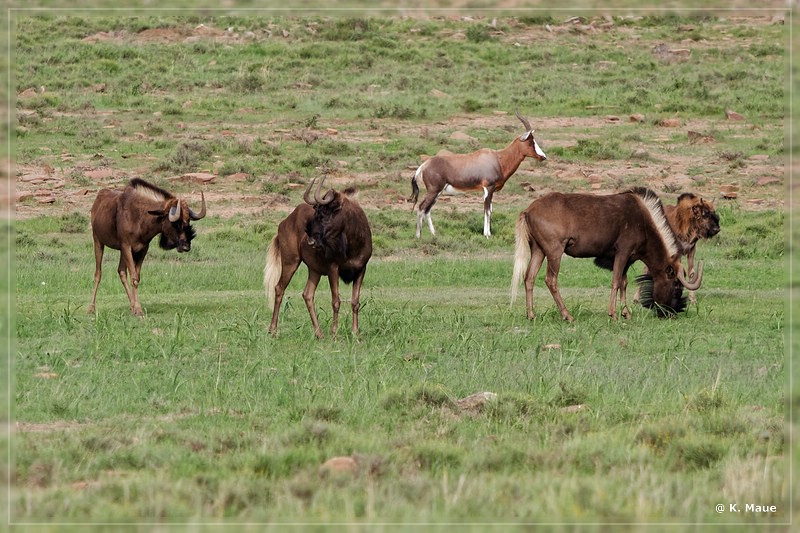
x: 308, y: 296
x: 619, y: 282
x: 488, y: 192
x: 98, y: 268
x: 537, y: 258
x: 354, y: 301
x: 425, y: 207
x: 138, y: 259
x: 551, y: 280
x: 333, y: 281
x: 626, y: 313
x: 122, y: 270
x: 287, y: 271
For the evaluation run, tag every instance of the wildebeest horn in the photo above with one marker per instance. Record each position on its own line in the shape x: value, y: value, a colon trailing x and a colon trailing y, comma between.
x: 306, y: 198
x: 695, y: 284
x: 328, y: 198
x: 198, y: 216
x: 175, y: 212
x: 523, y: 120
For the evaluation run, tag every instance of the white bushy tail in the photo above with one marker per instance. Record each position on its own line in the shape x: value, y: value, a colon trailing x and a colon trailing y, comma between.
x: 522, y: 253
x: 272, y: 271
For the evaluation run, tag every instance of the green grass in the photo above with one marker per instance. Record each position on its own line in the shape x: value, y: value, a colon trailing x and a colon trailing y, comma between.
x: 198, y: 407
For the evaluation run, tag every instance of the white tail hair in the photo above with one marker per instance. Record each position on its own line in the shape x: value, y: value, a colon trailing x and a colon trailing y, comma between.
x: 522, y: 253
x: 272, y: 271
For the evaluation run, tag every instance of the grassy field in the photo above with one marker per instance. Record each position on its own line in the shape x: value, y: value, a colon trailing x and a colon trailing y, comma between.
x: 196, y: 415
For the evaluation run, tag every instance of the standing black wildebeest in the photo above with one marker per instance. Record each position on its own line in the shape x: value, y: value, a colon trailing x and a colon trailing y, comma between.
x: 128, y: 219
x: 485, y: 170
x: 331, y: 235
x: 616, y: 230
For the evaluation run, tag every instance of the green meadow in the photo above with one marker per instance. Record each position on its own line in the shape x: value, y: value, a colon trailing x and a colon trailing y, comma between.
x: 196, y: 415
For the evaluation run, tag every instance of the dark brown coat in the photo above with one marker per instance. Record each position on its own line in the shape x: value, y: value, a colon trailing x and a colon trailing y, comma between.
x: 331, y: 235
x: 616, y: 230
x: 128, y: 219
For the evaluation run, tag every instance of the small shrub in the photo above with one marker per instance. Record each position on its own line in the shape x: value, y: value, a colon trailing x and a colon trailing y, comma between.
x: 478, y: 34
x: 74, y: 223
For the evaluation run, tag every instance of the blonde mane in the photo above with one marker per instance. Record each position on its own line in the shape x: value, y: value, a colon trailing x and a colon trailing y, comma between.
x: 656, y: 210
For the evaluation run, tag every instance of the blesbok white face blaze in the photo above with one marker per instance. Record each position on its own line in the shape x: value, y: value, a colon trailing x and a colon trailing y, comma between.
x: 539, y: 151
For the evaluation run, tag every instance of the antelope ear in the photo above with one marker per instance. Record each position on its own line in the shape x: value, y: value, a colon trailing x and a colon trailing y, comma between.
x: 158, y: 213
x: 524, y: 136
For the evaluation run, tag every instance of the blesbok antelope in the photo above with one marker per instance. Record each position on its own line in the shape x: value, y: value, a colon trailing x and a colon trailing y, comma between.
x: 128, y: 219
x: 485, y: 169
x: 331, y: 235
x: 616, y: 230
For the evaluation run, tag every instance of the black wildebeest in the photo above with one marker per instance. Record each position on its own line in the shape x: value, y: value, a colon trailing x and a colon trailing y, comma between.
x: 616, y: 230
x: 691, y: 218
x: 331, y: 235
x: 128, y: 219
x: 485, y: 170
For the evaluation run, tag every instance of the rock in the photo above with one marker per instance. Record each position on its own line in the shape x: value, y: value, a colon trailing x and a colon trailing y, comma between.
x: 729, y: 192
x: 669, y: 122
x: 733, y: 115
x: 22, y: 196
x: 636, y: 117
x: 46, y: 199
x: 758, y: 157
x: 767, y: 180
x: 594, y: 178
x: 238, y: 176
x: 99, y: 173
x: 197, y: 177
x: 574, y: 408
x: 697, y: 137
x: 338, y: 466
x: 612, y: 118
x: 476, y: 401
x: 681, y: 52
x: 461, y: 136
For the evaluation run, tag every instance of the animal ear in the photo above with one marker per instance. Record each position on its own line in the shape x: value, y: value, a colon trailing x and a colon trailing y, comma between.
x: 160, y: 213
x: 670, y: 271
x: 524, y: 136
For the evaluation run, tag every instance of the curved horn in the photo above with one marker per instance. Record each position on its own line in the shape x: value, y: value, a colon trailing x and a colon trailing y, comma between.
x: 695, y: 284
x: 328, y: 197
x: 523, y: 120
x: 202, y: 213
x: 306, y: 198
x: 175, y: 212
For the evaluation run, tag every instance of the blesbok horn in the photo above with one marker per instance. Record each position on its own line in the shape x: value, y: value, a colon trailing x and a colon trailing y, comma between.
x: 202, y: 213
x: 306, y: 198
x: 523, y: 120
x: 175, y: 212
x: 328, y: 198
x: 695, y: 284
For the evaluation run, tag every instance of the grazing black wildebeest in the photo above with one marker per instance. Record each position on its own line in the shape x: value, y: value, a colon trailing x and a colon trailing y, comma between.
x: 616, y: 230
x: 331, y: 235
x: 485, y: 170
x: 128, y: 219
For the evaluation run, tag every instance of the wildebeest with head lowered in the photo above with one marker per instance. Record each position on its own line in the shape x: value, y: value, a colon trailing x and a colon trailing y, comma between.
x: 616, y: 230
x: 331, y: 235
x: 128, y: 219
